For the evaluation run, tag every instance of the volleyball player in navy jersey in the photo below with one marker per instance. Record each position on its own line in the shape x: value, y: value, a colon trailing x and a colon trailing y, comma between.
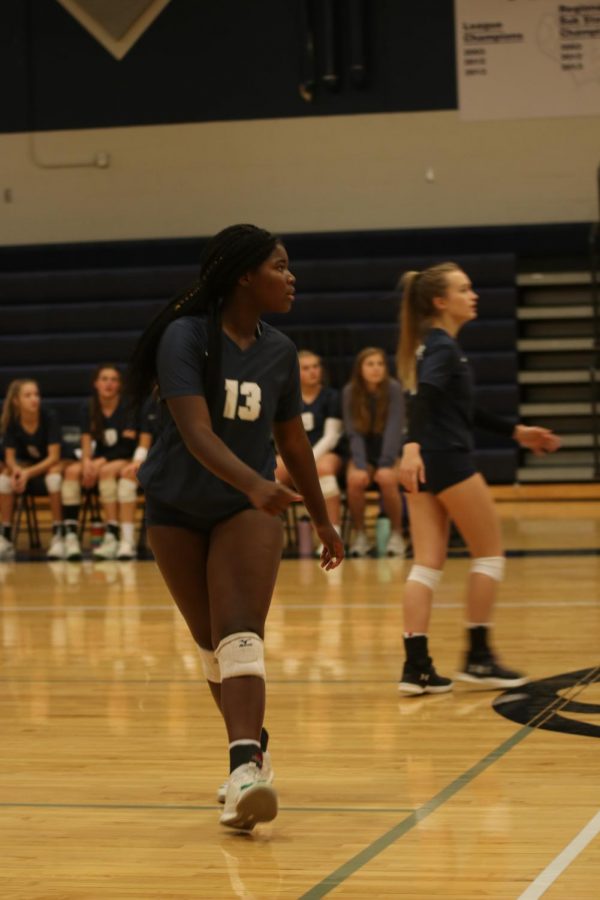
x: 438, y: 471
x: 108, y: 441
x: 228, y: 381
x: 322, y: 420
x: 127, y: 487
x: 31, y: 437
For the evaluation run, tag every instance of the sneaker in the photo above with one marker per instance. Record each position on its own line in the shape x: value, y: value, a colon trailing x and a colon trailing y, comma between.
x: 56, y: 550
x: 360, y: 546
x: 423, y: 681
x: 125, y: 550
x: 108, y: 547
x: 250, y: 799
x: 72, y: 547
x: 487, y: 671
x: 267, y: 771
x: 395, y: 545
x: 7, y: 549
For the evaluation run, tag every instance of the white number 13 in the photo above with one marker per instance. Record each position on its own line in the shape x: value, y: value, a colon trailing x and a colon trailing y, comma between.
x: 249, y: 409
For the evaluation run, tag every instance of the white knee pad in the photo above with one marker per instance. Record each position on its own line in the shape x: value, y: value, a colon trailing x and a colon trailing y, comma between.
x: 329, y: 486
x: 210, y: 665
x: 71, y: 492
x: 242, y: 653
x: 53, y: 482
x: 107, y: 488
x: 424, y: 575
x: 492, y: 566
x: 5, y: 487
x: 126, y: 490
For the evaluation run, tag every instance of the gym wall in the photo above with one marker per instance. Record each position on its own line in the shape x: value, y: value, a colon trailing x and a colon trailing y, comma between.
x: 202, y: 123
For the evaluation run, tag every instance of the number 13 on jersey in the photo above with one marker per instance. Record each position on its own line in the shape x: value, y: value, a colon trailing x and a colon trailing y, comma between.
x: 249, y: 407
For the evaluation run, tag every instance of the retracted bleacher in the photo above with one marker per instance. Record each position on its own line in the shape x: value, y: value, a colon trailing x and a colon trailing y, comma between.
x: 61, y: 320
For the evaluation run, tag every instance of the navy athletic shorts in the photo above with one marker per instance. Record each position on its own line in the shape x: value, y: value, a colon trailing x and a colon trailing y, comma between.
x: 445, y: 468
x: 158, y: 513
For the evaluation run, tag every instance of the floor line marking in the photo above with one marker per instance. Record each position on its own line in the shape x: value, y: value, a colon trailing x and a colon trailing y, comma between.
x: 334, y: 879
x: 323, y: 607
x: 557, y: 866
x: 393, y: 810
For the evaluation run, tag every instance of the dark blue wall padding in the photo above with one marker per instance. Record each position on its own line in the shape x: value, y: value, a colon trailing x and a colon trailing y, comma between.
x: 60, y: 321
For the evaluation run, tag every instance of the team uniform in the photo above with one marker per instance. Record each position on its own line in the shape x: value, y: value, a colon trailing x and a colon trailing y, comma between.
x: 326, y: 405
x: 149, y: 421
x: 372, y: 449
x: 443, y: 415
x: 31, y: 448
x: 113, y: 444
x: 259, y: 385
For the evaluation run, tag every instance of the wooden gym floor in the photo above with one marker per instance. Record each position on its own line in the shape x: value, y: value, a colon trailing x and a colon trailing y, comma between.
x: 111, y: 750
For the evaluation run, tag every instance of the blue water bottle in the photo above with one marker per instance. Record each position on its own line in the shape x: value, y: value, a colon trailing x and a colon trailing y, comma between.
x: 382, y: 533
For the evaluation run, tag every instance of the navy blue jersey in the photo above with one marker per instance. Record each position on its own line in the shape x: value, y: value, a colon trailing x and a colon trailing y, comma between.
x: 150, y: 417
x: 441, y: 362
x: 112, y: 444
x: 259, y: 385
x: 326, y: 405
x: 31, y: 447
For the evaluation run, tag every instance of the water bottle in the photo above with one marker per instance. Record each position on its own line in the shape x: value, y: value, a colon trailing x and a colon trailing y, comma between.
x: 305, y: 537
x: 382, y: 533
x: 96, y: 533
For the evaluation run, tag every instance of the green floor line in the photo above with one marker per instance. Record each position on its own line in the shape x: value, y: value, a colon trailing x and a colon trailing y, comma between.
x: 382, y: 843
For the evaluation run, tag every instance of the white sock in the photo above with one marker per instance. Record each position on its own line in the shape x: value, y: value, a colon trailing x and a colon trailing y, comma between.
x: 127, y: 532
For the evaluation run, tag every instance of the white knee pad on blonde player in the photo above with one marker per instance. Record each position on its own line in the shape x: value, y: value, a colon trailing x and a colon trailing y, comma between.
x: 424, y: 575
x: 107, y: 488
x: 492, y: 566
x: 242, y: 653
x: 126, y: 490
x: 53, y: 482
x: 71, y: 492
x: 210, y: 665
x: 329, y: 486
x: 5, y: 487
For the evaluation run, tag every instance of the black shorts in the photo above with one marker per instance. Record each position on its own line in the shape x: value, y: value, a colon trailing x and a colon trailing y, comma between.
x: 158, y: 513
x: 36, y: 486
x: 445, y: 468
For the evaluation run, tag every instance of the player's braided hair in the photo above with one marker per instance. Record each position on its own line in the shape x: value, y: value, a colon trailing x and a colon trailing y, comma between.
x: 225, y: 258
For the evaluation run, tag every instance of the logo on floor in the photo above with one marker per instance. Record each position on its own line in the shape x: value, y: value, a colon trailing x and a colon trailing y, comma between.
x: 555, y: 703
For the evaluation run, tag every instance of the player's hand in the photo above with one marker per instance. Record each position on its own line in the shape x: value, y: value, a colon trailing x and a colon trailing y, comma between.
x: 539, y: 440
x: 412, y: 468
x: 272, y: 497
x: 333, y: 547
x: 19, y: 480
x: 89, y: 474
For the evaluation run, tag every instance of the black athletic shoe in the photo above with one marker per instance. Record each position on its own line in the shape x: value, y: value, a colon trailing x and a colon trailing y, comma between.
x: 423, y: 680
x: 488, y: 672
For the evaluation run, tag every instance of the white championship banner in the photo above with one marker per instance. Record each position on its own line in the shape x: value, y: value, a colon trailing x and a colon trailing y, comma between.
x: 527, y: 58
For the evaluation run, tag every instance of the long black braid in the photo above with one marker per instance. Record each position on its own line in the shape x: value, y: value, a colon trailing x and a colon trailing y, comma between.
x: 226, y: 257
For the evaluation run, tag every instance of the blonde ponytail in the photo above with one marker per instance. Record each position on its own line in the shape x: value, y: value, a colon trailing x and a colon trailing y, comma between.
x: 419, y: 289
x: 409, y: 333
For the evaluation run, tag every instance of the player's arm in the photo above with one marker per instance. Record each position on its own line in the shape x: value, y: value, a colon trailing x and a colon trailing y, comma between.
x: 51, y: 458
x: 192, y: 418
x: 297, y: 454
x: 332, y: 432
